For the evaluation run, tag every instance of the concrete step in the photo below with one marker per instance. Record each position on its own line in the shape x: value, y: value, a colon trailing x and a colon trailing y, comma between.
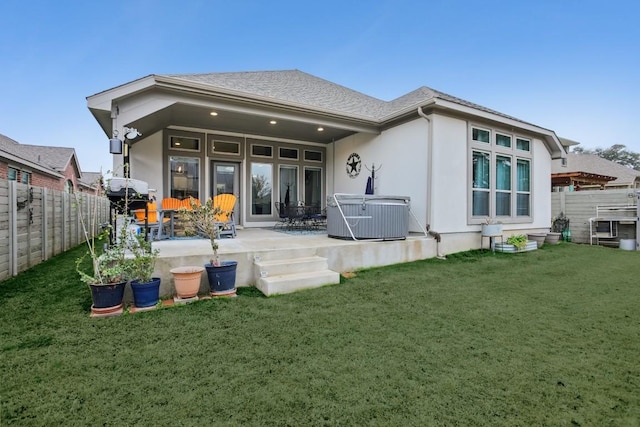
x: 279, y: 267
x: 284, y: 284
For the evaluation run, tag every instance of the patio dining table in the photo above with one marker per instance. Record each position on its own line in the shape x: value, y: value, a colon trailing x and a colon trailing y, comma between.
x: 301, y: 216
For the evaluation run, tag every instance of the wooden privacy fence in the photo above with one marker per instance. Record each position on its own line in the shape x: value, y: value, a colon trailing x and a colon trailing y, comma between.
x: 38, y: 223
x: 579, y: 206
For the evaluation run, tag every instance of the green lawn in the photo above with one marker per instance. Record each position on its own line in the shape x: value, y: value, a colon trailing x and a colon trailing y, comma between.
x: 545, y: 338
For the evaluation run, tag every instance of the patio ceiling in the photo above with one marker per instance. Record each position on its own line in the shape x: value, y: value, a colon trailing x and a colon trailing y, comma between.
x: 199, y: 118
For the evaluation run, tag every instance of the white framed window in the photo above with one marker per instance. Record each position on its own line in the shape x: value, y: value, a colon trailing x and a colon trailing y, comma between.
x: 12, y: 174
x: 501, y: 176
x: 25, y: 177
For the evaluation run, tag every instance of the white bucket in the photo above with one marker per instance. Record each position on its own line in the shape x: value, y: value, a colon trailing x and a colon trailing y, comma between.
x: 628, y: 244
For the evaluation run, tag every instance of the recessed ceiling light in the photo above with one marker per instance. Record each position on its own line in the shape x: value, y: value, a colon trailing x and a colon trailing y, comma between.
x: 213, y: 113
x: 320, y: 129
x: 273, y: 122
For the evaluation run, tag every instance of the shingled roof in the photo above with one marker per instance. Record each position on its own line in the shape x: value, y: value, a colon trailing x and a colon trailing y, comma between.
x: 305, y: 90
x: 590, y: 163
x: 54, y: 159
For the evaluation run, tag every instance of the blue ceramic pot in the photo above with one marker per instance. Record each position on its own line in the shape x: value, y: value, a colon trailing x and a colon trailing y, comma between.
x: 222, y: 278
x: 146, y: 294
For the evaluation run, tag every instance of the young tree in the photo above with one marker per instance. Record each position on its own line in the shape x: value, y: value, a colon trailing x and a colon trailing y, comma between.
x: 616, y: 153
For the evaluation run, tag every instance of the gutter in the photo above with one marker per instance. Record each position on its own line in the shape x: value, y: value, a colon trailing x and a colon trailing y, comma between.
x: 435, y: 234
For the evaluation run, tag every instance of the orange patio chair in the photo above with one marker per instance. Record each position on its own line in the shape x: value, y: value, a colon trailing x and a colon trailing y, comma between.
x: 170, y: 203
x: 226, y: 203
x: 155, y: 221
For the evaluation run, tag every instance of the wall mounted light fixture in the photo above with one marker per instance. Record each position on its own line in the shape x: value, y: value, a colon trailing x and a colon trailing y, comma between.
x: 115, y: 143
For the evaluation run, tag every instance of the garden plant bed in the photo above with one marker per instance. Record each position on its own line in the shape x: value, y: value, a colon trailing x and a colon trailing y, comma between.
x: 507, y: 248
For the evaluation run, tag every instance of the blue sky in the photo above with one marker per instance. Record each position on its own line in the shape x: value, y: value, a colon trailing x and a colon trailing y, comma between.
x: 567, y: 65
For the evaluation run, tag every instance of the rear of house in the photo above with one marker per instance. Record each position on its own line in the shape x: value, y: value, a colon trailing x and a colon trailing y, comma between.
x: 267, y: 136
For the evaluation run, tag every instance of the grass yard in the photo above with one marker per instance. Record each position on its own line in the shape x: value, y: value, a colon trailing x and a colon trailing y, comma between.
x: 546, y: 338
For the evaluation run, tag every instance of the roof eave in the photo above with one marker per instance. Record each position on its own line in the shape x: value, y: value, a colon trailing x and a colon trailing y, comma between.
x: 30, y: 164
x: 551, y: 140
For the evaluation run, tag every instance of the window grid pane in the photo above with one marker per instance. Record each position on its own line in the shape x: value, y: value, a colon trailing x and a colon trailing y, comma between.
x: 289, y: 185
x: 480, y: 170
x: 503, y: 140
x: 523, y: 144
x: 480, y: 203
x: 523, y: 204
x: 524, y: 173
x: 184, y: 143
x: 313, y: 187
x: 261, y: 184
x: 503, y: 173
x: 503, y: 204
x: 480, y: 135
x: 185, y: 177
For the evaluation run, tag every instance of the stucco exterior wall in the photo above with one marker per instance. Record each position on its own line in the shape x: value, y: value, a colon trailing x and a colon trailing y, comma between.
x: 541, y: 185
x: 404, y: 154
x: 146, y: 162
x: 450, y: 177
x: 401, y: 155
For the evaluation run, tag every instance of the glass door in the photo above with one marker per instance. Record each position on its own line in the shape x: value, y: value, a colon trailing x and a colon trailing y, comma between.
x: 225, y: 179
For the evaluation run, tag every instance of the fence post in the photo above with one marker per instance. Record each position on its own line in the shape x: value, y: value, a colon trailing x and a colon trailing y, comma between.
x: 44, y: 231
x: 13, y: 229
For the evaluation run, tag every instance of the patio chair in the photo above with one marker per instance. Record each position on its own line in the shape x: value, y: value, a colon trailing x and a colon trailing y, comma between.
x: 226, y: 203
x: 283, y: 218
x: 155, y: 222
x: 170, y: 203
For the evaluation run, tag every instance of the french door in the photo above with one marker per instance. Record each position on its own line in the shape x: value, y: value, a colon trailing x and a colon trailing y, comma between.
x: 225, y: 179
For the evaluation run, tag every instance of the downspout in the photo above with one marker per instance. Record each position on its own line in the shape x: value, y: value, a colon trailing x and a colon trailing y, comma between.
x: 433, y: 233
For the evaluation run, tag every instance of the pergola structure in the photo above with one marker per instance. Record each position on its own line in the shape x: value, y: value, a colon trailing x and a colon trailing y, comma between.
x: 580, y: 179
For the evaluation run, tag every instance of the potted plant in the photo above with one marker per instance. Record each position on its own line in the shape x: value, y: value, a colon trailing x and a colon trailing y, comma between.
x: 201, y: 219
x: 107, y: 277
x: 142, y: 261
x: 539, y: 238
x: 559, y: 225
x: 518, y: 240
x: 108, y: 274
x: 491, y: 228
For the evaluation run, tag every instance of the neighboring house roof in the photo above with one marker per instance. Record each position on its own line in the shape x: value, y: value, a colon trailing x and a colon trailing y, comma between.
x: 51, y: 160
x: 592, y: 164
x: 91, y: 179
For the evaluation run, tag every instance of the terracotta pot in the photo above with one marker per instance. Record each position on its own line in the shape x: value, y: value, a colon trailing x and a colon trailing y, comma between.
x: 187, y: 280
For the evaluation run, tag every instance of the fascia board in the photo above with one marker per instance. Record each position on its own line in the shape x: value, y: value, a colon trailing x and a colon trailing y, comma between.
x: 103, y: 100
